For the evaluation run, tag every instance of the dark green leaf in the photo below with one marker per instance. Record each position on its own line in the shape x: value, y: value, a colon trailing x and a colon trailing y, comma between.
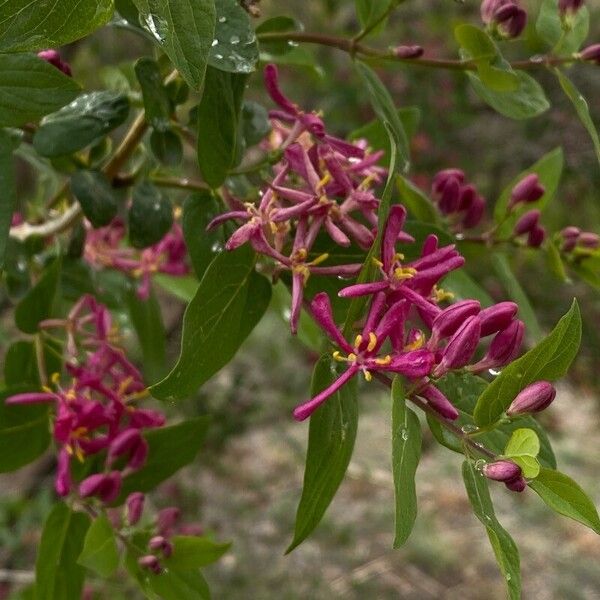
x: 26, y: 25
x: 170, y: 449
x: 418, y: 205
x: 218, y: 121
x: 20, y: 365
x: 549, y: 360
x: 255, y: 122
x: 581, y: 107
x: 57, y: 574
x: 199, y: 210
x: 517, y: 293
x: 279, y: 24
x: 147, y: 321
x: 96, y: 196
x: 192, y: 552
x: 38, y: 304
x: 370, y: 12
x: 384, y: 108
x: 150, y: 216
x: 331, y: 437
x: 9, y: 192
x: 503, y: 545
x: 31, y: 88
x: 157, y: 105
x: 549, y: 27
x: 100, y: 552
x: 234, y: 48
x: 185, y: 31
x: 406, y: 452
x: 83, y: 122
x: 565, y: 497
x: 24, y: 431
x: 167, y: 147
x: 230, y: 301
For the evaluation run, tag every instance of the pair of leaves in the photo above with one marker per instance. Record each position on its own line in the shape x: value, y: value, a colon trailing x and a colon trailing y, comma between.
x: 549, y: 360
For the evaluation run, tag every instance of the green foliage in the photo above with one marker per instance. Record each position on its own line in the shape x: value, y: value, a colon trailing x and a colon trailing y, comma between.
x: 166, y: 147
x: 331, y: 437
x: 100, y: 553
x: 9, y: 192
x: 28, y: 25
x: 550, y: 28
x: 157, y: 104
x: 185, y: 30
x: 505, y: 549
x: 57, y: 574
x: 228, y: 304
x: 193, y: 552
x: 549, y: 360
x: 406, y: 452
x: 218, y: 122
x: 31, y: 88
x: 150, y: 215
x: 96, y: 196
x: 523, y: 448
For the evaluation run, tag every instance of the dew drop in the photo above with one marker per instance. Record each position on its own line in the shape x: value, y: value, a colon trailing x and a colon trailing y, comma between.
x: 222, y: 19
x: 218, y: 56
x: 468, y: 428
x: 508, y: 577
x: 214, y: 42
x: 404, y: 435
x: 234, y: 40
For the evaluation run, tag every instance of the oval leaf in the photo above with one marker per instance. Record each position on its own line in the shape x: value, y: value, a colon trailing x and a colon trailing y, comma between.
x: 100, y: 552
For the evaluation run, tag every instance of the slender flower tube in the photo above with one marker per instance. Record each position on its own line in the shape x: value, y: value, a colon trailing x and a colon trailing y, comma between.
x: 135, y: 507
x: 527, y: 222
x: 439, y: 402
x: 529, y: 189
x: 497, y: 317
x: 461, y: 347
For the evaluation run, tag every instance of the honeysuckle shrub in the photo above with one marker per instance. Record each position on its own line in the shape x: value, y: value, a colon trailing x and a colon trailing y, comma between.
x: 174, y: 182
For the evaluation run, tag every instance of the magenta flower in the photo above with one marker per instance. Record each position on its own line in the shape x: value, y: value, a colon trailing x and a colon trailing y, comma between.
x: 534, y: 398
x: 53, y: 57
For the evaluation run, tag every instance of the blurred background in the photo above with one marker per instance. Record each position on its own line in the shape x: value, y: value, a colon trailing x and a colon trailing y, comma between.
x: 247, y: 482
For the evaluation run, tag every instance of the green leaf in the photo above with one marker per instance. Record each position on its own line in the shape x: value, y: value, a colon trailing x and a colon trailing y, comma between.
x: 549, y: 170
x: 523, y: 442
x: 255, y: 122
x: 38, y: 304
x: 505, y: 549
x: 100, y: 552
x: 530, y: 466
x: 193, y: 552
x: 81, y: 123
x: 167, y: 147
x: 234, y: 48
x: 157, y: 105
x: 9, y: 191
x: 555, y: 262
x: 199, y: 210
x: 406, y: 452
x: 565, y: 497
x: 170, y: 449
x: 31, y: 88
x: 528, y: 100
x: 384, y: 108
x: 26, y: 25
x: 464, y: 287
x: 549, y: 360
x: 185, y: 31
x: 57, y: 574
x: 331, y: 436
x: 581, y: 107
x: 549, y: 27
x: 24, y: 431
x: 280, y: 24
x: 371, y: 11
x: 218, y: 121
x: 517, y: 293
x: 418, y: 205
x: 229, y: 303
x: 20, y: 366
x: 147, y: 321
x: 150, y: 215
x: 184, y: 288
x: 97, y: 197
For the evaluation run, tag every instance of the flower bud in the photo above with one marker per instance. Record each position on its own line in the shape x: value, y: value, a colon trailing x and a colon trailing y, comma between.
x: 570, y: 235
x: 53, y: 57
x: 497, y: 317
x: 489, y: 9
x: 506, y: 345
x: 439, y: 402
x: 511, y: 20
x: 461, y: 347
x: 536, y: 237
x: 442, y: 178
x: 450, y: 197
x: 158, y: 542
x: 534, y: 398
x: 527, y: 222
x: 449, y: 320
x: 135, y: 507
x: 129, y: 442
x: 517, y: 484
x: 474, y: 213
x: 589, y: 240
x: 150, y: 563
x: 569, y: 6
x: 105, y: 486
x: 591, y: 53
x: 166, y: 519
x: 529, y: 189
x: 408, y: 51
x: 502, y: 470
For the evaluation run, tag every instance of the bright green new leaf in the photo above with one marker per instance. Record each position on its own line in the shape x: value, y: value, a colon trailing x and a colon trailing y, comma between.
x: 523, y: 442
x: 100, y: 553
x: 193, y: 552
x: 331, y: 437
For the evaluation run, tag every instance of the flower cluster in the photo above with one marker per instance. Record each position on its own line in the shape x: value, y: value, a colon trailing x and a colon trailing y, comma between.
x: 574, y: 240
x: 504, y: 17
x: 104, y: 248
x: 95, y: 413
x: 404, y: 305
x: 322, y: 183
x: 457, y: 200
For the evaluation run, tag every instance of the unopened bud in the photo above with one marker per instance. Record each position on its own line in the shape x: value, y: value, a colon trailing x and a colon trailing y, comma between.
x: 53, y: 57
x: 534, y: 398
x: 569, y: 6
x: 461, y: 347
x: 450, y: 197
x: 135, y: 507
x: 536, y: 237
x: 529, y: 189
x: 497, y: 317
x: 474, y: 213
x: 150, y: 563
x: 506, y: 345
x: 591, y: 53
x: 442, y: 178
x: 105, y: 486
x: 408, y: 51
x: 450, y: 319
x: 439, y: 402
x: 589, y: 240
x: 527, y: 222
x: 511, y: 20
x: 502, y: 470
x: 158, y: 542
x: 569, y: 236
x: 518, y: 484
x: 166, y: 519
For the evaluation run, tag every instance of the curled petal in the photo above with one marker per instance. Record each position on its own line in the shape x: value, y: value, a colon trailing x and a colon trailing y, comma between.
x: 363, y: 289
x: 393, y: 227
x: 323, y: 314
x: 272, y: 85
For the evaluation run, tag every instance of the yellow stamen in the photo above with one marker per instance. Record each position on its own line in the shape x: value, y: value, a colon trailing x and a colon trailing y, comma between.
x: 366, y: 182
x: 358, y: 341
x: 69, y: 449
x: 402, y: 273
x: 352, y: 356
x: 398, y: 256
x: 177, y: 212
x: 321, y: 258
x: 79, y: 454
x: 372, y: 342
x: 302, y: 270
x: 377, y: 262
x: 55, y: 378
x: 337, y: 356
x: 47, y: 389
x: 386, y: 360
x: 326, y: 179
x: 124, y: 385
x: 416, y: 345
x: 368, y: 376
x: 300, y: 254
x: 442, y: 295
